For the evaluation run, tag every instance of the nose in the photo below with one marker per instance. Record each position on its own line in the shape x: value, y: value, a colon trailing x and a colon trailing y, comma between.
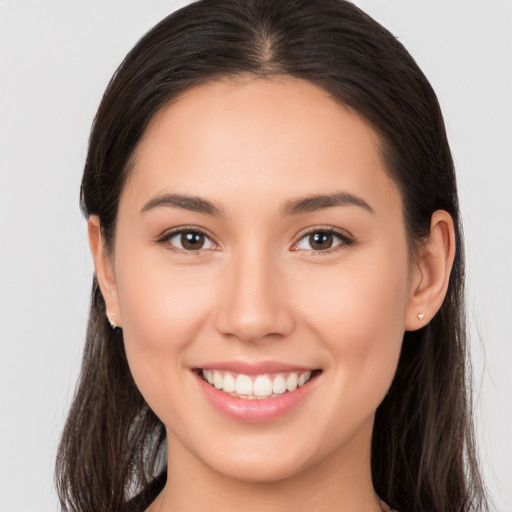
x: 255, y: 303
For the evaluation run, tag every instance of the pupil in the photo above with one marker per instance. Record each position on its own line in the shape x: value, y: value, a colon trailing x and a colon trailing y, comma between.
x: 320, y: 240
x: 192, y: 240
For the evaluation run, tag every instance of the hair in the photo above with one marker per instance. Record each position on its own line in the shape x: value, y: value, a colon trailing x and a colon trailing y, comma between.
x: 112, y: 452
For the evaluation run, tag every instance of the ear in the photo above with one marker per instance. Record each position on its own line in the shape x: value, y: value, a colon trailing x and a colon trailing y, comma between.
x: 431, y: 272
x: 103, y: 264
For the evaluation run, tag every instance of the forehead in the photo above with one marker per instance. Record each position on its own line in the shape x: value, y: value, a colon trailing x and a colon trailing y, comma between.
x: 258, y: 138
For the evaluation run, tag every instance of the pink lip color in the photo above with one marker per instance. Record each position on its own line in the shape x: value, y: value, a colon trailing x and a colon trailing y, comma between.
x: 254, y: 368
x: 257, y: 410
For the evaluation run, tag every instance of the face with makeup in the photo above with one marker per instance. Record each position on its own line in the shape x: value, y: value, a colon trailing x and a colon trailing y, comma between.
x: 260, y: 245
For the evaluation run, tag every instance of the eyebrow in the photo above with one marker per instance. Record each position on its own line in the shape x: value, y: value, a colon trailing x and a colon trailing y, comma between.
x: 319, y: 202
x: 294, y: 207
x: 183, y: 202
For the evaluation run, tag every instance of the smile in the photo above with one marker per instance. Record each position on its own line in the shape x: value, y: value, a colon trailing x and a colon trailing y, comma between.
x: 252, y: 387
x: 257, y: 393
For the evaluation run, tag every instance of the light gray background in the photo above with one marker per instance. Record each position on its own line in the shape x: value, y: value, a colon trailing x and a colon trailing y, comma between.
x: 56, y: 57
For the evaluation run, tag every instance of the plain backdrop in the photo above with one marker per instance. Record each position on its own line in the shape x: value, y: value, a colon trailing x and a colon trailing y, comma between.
x: 56, y: 57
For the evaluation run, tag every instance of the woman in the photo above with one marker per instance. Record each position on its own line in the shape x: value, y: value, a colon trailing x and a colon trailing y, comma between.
x: 277, y: 317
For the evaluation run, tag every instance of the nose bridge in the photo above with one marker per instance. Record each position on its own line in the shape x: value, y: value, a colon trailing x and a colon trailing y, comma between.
x: 255, y: 302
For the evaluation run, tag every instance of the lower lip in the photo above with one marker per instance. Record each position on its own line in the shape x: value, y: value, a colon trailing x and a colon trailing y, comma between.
x: 256, y: 410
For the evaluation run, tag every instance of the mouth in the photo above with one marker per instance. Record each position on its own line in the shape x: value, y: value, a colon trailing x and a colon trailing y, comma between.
x: 256, y: 387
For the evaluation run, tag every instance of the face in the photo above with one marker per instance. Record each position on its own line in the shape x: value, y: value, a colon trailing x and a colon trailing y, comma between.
x: 260, y: 245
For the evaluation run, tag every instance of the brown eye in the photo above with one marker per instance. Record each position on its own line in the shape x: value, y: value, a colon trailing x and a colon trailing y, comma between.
x: 192, y: 241
x: 189, y: 240
x: 320, y: 241
x: 323, y: 240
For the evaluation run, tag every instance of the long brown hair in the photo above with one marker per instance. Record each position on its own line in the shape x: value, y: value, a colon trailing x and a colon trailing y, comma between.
x: 112, y: 453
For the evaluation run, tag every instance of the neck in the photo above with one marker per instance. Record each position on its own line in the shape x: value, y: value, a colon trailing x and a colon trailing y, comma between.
x: 340, y: 481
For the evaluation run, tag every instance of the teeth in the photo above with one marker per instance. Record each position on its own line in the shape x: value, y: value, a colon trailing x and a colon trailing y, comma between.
x: 260, y: 386
x: 243, y: 385
x: 291, y: 382
x: 218, y: 381
x: 303, y: 378
x: 279, y: 385
x: 229, y: 383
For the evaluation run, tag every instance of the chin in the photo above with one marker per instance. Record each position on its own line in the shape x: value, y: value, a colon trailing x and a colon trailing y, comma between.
x: 256, y: 459
x: 257, y: 469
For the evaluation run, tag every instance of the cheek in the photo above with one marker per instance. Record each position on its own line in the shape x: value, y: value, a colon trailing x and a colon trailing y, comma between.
x: 358, y: 314
x: 163, y: 308
x: 162, y: 300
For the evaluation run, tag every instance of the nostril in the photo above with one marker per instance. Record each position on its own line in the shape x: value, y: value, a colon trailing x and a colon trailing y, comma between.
x: 254, y: 311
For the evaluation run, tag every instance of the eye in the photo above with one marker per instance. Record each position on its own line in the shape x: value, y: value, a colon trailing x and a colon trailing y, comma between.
x: 323, y: 240
x: 188, y: 240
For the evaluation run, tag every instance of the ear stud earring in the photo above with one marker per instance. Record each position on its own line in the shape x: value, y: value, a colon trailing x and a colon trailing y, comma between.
x: 421, y: 316
x: 110, y: 321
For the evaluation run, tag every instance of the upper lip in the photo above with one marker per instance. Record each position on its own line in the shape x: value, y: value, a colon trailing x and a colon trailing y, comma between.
x: 254, y: 368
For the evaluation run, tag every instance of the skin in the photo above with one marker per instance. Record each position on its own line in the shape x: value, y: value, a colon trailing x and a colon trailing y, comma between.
x: 258, y: 291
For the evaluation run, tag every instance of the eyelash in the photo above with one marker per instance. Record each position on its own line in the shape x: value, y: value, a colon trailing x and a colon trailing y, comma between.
x: 345, y: 240
x: 166, y: 237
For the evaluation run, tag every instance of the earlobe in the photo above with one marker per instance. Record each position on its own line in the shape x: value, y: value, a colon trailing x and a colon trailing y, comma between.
x: 431, y: 272
x: 104, y: 271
